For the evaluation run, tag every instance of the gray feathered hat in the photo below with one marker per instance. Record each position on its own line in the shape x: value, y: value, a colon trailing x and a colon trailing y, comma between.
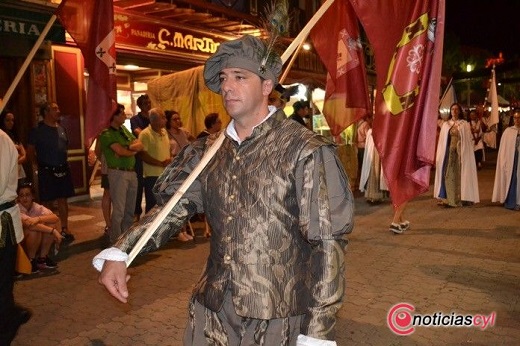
x: 247, y: 52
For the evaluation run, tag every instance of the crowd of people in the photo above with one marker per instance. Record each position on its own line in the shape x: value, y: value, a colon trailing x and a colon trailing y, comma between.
x: 28, y: 229
x: 35, y: 231
x: 460, y: 152
x: 126, y: 157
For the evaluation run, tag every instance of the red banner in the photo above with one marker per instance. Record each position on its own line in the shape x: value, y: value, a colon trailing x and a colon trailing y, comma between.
x: 91, y: 25
x: 346, y: 94
x: 407, y: 40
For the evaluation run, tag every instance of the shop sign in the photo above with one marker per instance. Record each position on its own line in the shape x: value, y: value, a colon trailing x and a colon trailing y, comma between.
x: 19, y: 27
x: 163, y: 37
x: 27, y: 24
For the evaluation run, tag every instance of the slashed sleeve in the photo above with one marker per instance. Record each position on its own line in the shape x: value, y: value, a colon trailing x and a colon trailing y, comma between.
x: 326, y: 216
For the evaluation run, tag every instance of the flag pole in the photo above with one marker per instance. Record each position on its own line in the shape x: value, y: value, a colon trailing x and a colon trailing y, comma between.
x: 446, y: 90
x: 291, y: 62
x: 27, y: 61
x: 306, y: 30
x: 154, y: 225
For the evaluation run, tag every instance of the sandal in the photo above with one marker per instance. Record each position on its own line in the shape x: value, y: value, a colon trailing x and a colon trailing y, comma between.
x: 184, y: 237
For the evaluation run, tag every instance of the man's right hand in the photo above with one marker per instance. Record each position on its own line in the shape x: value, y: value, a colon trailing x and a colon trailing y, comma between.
x: 114, y: 277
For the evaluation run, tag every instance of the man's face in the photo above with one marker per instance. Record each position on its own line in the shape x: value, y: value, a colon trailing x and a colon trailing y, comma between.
x: 158, y: 122
x: 243, y: 92
x: 145, y: 105
x: 9, y: 121
x: 25, y: 197
x: 303, y: 112
x: 53, y: 112
x: 516, y: 119
x: 120, y: 118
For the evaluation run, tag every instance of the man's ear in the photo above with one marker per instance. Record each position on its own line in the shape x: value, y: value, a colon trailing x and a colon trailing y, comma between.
x: 267, y: 87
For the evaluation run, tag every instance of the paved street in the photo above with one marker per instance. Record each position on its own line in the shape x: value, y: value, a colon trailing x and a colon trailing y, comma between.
x: 464, y: 261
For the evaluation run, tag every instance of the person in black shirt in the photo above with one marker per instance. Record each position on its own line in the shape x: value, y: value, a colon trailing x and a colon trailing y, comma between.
x: 213, y: 125
x: 301, y: 111
x: 48, y: 144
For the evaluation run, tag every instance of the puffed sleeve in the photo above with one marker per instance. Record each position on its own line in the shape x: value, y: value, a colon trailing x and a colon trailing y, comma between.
x: 326, y: 215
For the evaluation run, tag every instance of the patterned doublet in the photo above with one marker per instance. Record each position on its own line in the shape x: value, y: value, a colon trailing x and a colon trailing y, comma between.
x: 279, y: 205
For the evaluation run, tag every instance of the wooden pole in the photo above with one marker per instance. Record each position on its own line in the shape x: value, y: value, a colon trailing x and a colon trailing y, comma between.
x: 147, y: 234
x: 26, y: 63
x: 446, y: 90
x: 291, y: 62
x: 306, y: 30
x: 150, y: 230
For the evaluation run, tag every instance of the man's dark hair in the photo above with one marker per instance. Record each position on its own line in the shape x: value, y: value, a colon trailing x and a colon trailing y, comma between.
x: 299, y: 105
x: 141, y: 99
x: 25, y: 184
x: 116, y: 111
x: 44, y: 108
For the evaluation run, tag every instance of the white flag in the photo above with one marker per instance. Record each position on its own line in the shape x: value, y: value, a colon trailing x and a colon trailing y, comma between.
x: 447, y: 100
x: 493, y: 99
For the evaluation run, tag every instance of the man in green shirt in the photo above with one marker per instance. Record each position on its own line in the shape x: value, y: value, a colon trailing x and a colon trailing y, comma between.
x: 119, y: 147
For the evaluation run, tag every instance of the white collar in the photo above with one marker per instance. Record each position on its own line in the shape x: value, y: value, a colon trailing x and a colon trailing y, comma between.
x: 232, y: 132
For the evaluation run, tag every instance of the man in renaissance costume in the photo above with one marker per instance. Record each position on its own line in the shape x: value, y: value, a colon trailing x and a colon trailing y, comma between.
x: 279, y: 204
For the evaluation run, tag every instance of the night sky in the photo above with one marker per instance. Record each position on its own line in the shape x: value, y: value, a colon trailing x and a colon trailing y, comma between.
x: 490, y: 24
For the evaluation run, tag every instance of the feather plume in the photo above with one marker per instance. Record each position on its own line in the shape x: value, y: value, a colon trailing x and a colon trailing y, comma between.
x: 275, y: 24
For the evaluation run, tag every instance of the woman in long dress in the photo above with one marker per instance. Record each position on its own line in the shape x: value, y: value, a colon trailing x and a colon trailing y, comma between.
x: 372, y: 181
x: 456, y: 171
x: 507, y: 176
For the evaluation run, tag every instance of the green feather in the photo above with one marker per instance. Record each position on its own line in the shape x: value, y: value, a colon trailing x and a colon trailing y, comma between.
x: 276, y: 24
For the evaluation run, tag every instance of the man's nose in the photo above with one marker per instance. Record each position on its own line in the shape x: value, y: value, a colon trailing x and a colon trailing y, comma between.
x: 226, y: 86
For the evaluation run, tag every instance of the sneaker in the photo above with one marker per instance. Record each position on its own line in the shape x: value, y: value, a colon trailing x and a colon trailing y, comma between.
x: 68, y: 237
x: 34, y: 266
x: 405, y: 225
x: 46, y: 263
x: 396, y: 228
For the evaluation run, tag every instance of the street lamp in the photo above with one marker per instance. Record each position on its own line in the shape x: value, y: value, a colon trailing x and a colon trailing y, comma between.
x: 469, y: 68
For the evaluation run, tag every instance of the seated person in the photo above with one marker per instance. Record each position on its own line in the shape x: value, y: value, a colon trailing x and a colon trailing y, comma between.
x: 40, y: 228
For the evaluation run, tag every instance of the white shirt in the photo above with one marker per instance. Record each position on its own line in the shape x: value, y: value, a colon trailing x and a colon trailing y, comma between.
x: 9, y: 181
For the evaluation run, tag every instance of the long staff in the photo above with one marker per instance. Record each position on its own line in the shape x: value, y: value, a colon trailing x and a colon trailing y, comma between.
x: 150, y: 230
